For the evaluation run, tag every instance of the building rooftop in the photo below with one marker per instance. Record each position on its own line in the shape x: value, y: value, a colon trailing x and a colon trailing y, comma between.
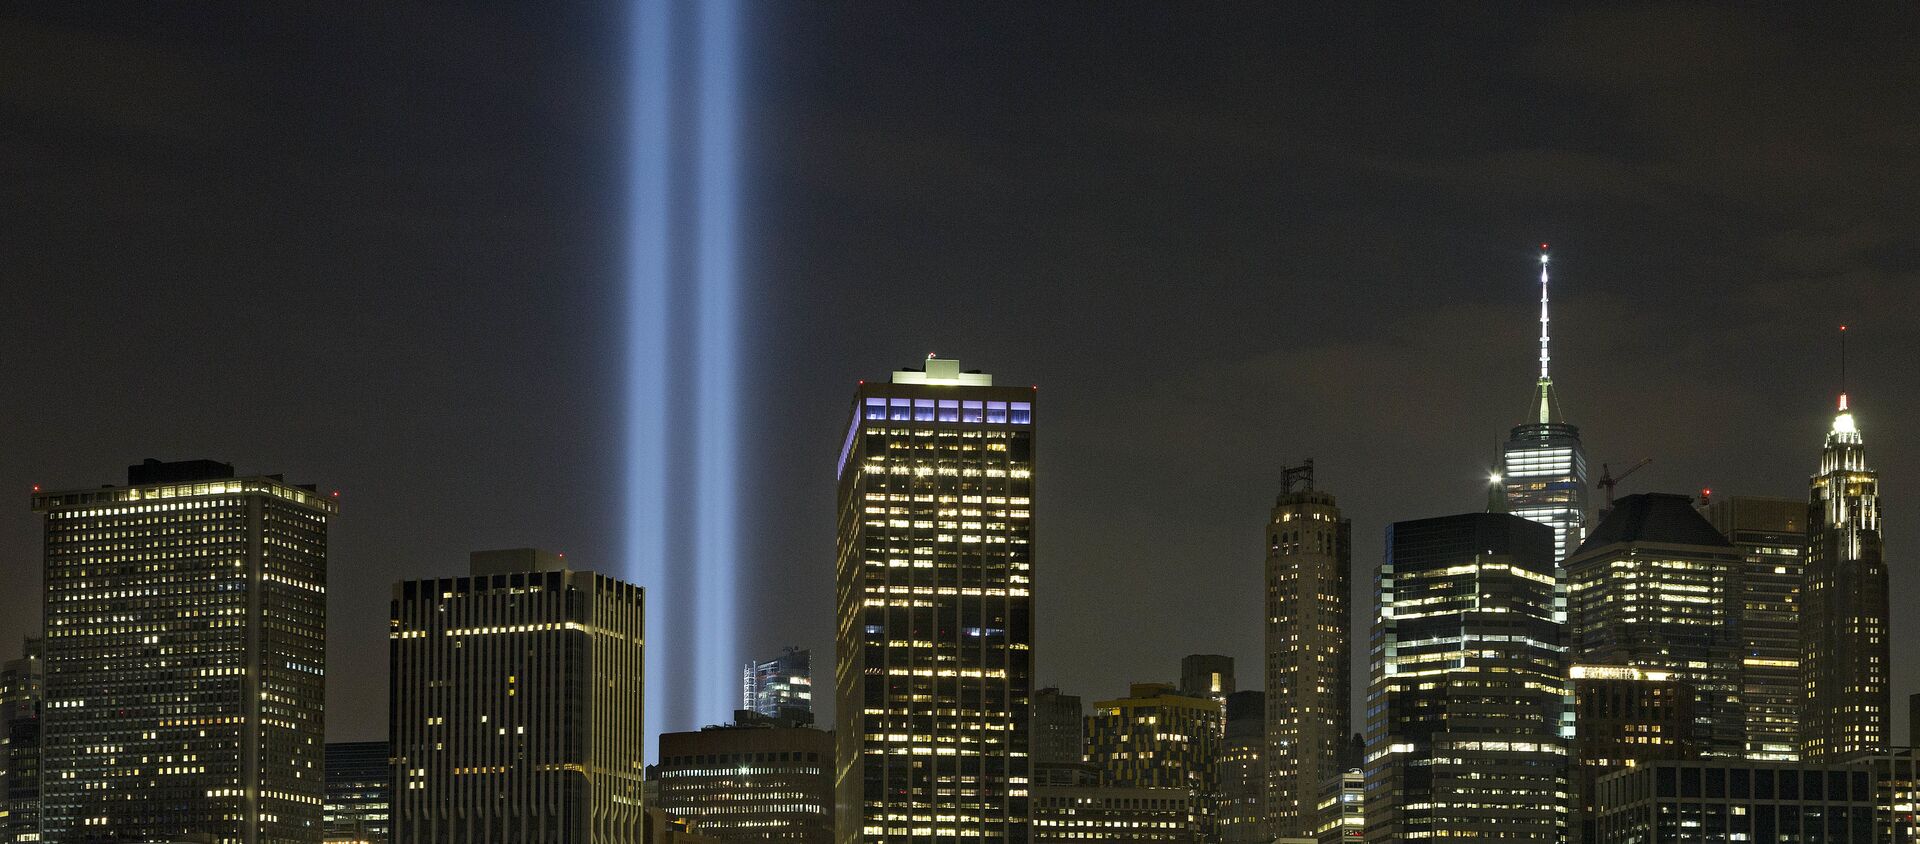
x: 1655, y: 517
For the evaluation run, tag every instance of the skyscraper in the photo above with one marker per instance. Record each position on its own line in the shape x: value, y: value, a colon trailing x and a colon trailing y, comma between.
x: 1844, y: 604
x: 1156, y: 737
x: 1543, y: 466
x: 1656, y: 588
x: 760, y: 780
x: 185, y: 657
x: 1308, y: 651
x: 1468, y: 686
x: 516, y: 705
x: 359, y: 808
x: 1772, y: 533
x: 22, y: 695
x: 781, y: 688
x: 1207, y: 675
x: 934, y: 656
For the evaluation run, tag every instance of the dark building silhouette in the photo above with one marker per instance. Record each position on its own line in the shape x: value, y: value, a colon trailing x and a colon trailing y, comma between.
x: 22, y: 695
x: 1207, y: 675
x: 1243, y: 771
x: 1060, y: 741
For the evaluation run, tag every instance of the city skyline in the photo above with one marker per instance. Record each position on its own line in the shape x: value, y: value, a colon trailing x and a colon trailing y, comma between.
x: 1706, y: 348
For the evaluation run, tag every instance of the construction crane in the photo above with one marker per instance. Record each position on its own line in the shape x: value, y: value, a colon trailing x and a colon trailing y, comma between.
x: 1608, y: 481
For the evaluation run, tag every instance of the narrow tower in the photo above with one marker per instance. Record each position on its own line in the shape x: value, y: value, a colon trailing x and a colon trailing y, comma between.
x: 1844, y: 606
x: 1309, y: 596
x: 1544, y: 468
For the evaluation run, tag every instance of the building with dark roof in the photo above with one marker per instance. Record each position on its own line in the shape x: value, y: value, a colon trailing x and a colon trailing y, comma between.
x: 1656, y: 588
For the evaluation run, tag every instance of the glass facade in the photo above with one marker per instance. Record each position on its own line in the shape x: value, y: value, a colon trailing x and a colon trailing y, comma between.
x: 782, y: 687
x: 1725, y: 802
x: 185, y: 658
x: 1468, y: 685
x: 1244, y: 816
x: 359, y: 793
x: 934, y: 582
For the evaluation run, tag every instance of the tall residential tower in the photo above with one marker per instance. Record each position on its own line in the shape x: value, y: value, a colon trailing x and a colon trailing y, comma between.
x: 185, y: 658
x: 1308, y: 672
x: 1844, y: 604
x: 934, y: 659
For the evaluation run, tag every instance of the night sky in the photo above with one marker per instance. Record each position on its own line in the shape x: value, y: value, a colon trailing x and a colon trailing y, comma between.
x: 377, y: 248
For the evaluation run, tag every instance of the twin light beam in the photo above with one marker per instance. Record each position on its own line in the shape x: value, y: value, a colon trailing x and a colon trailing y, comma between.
x: 683, y: 325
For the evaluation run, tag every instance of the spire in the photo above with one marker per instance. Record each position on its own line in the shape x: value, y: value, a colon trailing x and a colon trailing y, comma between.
x: 1843, y: 369
x: 1544, y: 398
x: 1844, y: 429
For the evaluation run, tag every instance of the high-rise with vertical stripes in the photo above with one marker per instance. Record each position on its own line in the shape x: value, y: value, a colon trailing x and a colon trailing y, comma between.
x: 934, y: 651
x: 515, y: 706
x: 185, y: 658
x: 1844, y: 604
x: 1309, y: 598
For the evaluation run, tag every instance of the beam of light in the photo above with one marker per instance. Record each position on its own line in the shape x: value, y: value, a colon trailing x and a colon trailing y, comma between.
x: 648, y: 306
x: 682, y: 357
x: 715, y: 338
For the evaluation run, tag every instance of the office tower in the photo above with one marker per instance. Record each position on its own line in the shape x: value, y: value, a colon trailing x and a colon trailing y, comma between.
x: 1625, y: 716
x: 1733, y: 800
x: 22, y: 694
x: 1468, y: 684
x: 1343, y: 808
x: 1243, y: 771
x: 1656, y: 588
x: 1772, y: 534
x: 1542, y: 464
x: 1844, y: 604
x: 516, y: 703
x: 934, y: 678
x: 1060, y: 740
x: 1308, y: 651
x: 1078, y: 814
x: 1207, y: 675
x: 359, y: 807
x: 759, y: 780
x: 185, y: 657
x: 782, y: 687
x: 1156, y: 737
x: 661, y: 827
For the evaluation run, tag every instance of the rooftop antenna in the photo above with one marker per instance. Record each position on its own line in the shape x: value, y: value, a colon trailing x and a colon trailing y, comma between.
x: 1843, y: 367
x: 1546, y: 377
x: 1297, y: 478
